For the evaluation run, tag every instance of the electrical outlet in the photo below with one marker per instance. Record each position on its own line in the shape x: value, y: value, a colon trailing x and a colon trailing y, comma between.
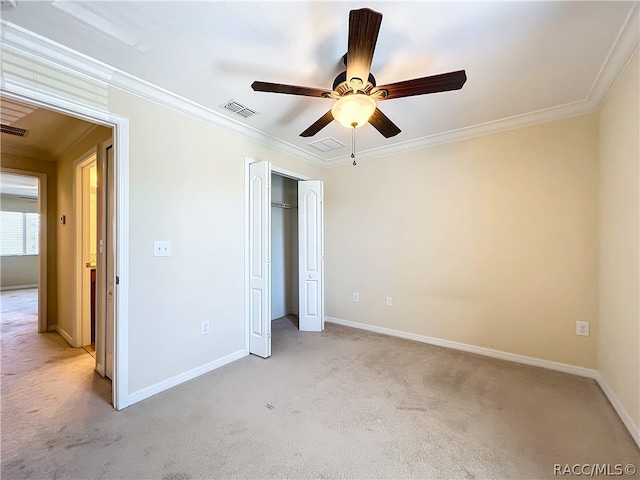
x: 161, y: 248
x: 356, y: 297
x: 582, y: 328
x: 389, y: 301
x: 204, y: 327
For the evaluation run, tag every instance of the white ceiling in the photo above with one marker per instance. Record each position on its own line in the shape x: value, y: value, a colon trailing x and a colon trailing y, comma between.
x: 525, y: 61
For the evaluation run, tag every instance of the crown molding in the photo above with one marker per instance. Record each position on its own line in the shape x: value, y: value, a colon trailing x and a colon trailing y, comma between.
x: 31, y: 45
x: 39, y: 48
x: 509, y: 123
x: 622, y: 50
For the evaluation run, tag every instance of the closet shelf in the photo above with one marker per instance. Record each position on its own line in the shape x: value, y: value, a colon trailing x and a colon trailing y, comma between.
x: 281, y: 205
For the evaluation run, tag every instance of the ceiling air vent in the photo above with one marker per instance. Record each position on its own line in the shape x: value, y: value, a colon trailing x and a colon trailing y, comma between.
x: 19, y: 132
x: 327, y: 144
x: 239, y: 109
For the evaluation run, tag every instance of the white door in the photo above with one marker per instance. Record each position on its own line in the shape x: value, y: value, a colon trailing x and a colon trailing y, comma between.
x: 111, y: 235
x: 105, y: 271
x: 259, y: 259
x: 311, y: 255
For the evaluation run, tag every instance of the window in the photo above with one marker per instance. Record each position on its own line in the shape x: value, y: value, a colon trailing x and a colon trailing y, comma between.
x: 19, y: 233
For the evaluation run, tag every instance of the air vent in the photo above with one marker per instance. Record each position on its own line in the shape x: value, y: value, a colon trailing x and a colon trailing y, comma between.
x: 19, y: 132
x: 327, y: 144
x: 239, y: 109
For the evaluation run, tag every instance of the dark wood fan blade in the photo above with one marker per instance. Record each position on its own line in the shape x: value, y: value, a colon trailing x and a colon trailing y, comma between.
x: 382, y: 123
x: 364, y: 25
x: 322, y: 122
x: 289, y: 89
x: 420, y: 86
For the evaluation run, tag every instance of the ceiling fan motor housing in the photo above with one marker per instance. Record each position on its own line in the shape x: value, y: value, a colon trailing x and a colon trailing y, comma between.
x: 341, y: 85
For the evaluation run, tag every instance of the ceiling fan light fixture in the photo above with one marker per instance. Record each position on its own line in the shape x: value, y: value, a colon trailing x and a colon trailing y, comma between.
x: 353, y: 111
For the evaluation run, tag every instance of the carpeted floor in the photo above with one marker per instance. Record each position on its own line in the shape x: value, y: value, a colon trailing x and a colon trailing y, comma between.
x: 340, y: 404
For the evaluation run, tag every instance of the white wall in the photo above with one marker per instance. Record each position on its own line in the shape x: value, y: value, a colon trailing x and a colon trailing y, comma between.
x: 489, y: 241
x: 188, y: 188
x: 619, y: 295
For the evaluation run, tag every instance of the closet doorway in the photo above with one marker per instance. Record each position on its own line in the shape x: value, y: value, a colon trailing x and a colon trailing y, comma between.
x: 284, y: 247
x: 285, y: 242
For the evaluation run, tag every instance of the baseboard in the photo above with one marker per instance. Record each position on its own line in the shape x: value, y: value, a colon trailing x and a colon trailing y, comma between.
x: 61, y: 332
x: 147, y: 392
x: 18, y: 287
x: 634, y: 429
x: 488, y: 352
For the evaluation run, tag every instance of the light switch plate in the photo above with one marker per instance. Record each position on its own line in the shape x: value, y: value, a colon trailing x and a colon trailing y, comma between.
x: 162, y: 248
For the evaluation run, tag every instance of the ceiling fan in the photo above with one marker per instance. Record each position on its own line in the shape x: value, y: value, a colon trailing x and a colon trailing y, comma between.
x: 355, y: 90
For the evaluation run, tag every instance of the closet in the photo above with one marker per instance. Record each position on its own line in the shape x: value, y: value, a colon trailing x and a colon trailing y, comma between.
x: 284, y: 246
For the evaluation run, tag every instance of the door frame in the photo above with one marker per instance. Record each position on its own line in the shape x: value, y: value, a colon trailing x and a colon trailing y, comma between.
x: 43, y: 318
x: 280, y: 171
x: 82, y: 292
x: 120, y: 126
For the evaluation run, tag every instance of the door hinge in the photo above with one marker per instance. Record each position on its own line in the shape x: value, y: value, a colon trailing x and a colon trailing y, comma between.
x: 117, y: 280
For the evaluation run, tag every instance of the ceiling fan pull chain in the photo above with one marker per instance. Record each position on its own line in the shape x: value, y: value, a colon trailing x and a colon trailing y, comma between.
x: 353, y: 144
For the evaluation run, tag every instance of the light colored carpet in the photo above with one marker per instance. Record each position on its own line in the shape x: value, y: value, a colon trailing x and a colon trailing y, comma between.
x: 340, y: 404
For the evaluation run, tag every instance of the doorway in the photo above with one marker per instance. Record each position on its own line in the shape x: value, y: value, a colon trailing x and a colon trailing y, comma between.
x: 284, y: 247
x: 93, y: 188
x: 24, y: 236
x: 260, y: 254
x: 117, y: 301
x: 86, y: 188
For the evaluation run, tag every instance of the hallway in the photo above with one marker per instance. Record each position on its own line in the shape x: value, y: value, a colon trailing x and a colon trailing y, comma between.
x: 42, y: 376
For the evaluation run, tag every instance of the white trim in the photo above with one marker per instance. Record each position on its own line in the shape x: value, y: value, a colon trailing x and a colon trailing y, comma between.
x: 634, y: 429
x: 147, y: 392
x: 121, y: 396
x: 487, y: 352
x: 288, y: 173
x: 622, y: 50
x: 24, y: 42
x: 18, y: 287
x: 247, y: 321
x: 80, y: 292
x: 28, y: 94
x: 62, y: 332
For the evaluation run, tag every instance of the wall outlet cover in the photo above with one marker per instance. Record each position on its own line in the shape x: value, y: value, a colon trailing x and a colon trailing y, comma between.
x: 582, y: 328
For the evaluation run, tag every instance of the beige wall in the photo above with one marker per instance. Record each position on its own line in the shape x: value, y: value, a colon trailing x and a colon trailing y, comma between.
x: 20, y: 270
x: 65, y: 254
x: 27, y: 164
x: 619, y: 314
x: 489, y: 241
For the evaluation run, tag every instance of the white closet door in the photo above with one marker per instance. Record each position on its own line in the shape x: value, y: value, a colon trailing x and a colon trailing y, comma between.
x: 110, y: 259
x: 259, y: 259
x: 311, y: 255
